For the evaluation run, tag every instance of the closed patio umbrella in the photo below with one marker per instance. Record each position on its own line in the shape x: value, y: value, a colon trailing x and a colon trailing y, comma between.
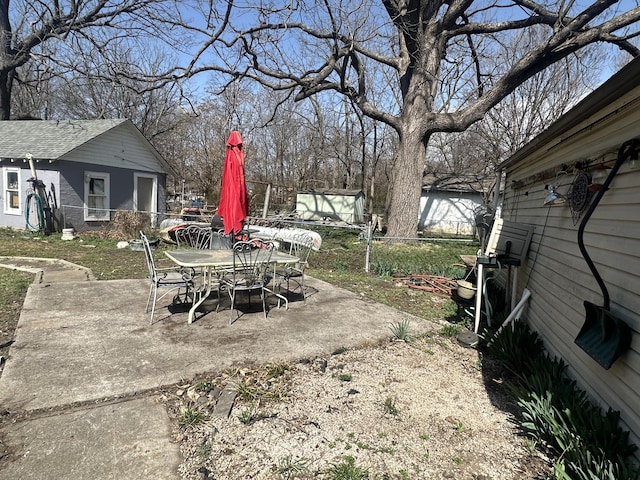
x: 234, y: 198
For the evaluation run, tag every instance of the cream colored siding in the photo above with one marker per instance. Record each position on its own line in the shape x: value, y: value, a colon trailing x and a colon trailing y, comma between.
x: 555, y: 271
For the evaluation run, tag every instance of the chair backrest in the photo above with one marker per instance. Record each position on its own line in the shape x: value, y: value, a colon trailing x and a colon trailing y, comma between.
x: 220, y: 241
x: 194, y: 236
x: 149, y: 255
x: 300, y: 246
x: 251, y: 261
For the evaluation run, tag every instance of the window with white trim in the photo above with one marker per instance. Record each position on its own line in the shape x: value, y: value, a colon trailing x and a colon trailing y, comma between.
x: 11, y: 195
x: 96, y: 196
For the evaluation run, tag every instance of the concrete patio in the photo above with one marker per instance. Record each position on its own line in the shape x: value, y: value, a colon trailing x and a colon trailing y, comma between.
x: 78, y: 392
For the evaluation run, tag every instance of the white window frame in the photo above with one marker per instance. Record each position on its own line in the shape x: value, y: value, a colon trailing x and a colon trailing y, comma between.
x: 90, y: 214
x: 6, y: 194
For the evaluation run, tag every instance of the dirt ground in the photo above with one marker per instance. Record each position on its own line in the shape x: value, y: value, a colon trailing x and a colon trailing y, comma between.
x: 428, y: 409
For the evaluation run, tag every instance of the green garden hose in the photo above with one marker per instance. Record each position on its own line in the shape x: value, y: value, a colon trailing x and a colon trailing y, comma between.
x: 37, y: 201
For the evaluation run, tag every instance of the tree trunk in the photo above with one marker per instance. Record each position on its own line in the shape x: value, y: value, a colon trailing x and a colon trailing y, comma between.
x: 6, y: 72
x: 406, y: 184
x: 419, y: 84
x: 6, y: 81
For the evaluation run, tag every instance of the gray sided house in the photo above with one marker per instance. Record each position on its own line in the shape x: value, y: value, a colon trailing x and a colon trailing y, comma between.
x: 89, y: 168
x: 334, y: 204
x: 551, y: 184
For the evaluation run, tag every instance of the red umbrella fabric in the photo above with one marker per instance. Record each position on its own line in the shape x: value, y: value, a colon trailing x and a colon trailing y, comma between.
x: 234, y: 198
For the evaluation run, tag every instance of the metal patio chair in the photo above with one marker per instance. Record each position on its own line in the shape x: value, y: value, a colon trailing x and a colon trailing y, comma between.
x: 194, y: 236
x: 250, y: 272
x: 220, y: 241
x: 171, y: 278
x: 299, y: 246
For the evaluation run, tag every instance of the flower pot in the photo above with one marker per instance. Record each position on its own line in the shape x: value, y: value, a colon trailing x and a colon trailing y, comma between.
x: 466, y: 290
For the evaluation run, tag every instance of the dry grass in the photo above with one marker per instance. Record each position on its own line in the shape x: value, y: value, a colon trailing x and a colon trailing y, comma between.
x: 125, y: 225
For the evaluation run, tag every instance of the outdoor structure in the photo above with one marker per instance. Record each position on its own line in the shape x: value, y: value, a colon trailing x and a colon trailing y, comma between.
x: 450, y: 208
x: 86, y: 168
x: 558, y: 184
x: 331, y: 204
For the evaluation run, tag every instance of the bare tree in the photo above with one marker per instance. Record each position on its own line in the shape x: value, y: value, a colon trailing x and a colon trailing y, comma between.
x: 448, y: 57
x: 469, y: 159
x: 80, y: 28
x: 196, y: 148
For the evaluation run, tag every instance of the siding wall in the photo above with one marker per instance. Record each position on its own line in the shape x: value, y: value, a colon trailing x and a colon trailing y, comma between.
x: 118, y: 152
x: 556, y: 272
x: 72, y: 192
x: 119, y: 147
x: 318, y: 205
x: 48, y: 176
x: 449, y: 212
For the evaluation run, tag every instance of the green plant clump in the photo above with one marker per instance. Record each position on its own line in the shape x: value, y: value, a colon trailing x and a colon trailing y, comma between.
x: 190, y: 418
x: 347, y: 470
x: 450, y: 330
x: 389, y: 407
x: 289, y: 467
x: 248, y: 415
x: 203, y: 386
x: 440, y: 258
x: 590, y: 444
x: 400, y: 331
x: 277, y: 370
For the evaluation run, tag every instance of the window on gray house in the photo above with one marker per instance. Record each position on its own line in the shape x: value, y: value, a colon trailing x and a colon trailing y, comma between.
x: 96, y: 196
x: 11, y: 182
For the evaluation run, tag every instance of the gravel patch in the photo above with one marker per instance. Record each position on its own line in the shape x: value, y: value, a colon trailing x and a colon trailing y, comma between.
x: 428, y: 409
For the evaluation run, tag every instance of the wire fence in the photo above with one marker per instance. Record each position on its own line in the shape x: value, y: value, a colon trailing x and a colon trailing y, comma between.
x: 132, y: 221
x: 75, y: 212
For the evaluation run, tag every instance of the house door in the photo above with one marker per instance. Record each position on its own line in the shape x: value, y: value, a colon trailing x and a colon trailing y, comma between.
x: 145, y: 195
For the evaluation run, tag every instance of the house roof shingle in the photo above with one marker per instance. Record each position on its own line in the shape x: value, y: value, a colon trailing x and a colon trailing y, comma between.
x: 49, y: 139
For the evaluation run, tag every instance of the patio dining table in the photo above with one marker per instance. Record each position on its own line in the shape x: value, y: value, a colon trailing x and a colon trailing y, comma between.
x: 212, y: 261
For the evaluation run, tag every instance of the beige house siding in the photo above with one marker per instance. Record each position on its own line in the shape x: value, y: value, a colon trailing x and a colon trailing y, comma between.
x: 555, y: 271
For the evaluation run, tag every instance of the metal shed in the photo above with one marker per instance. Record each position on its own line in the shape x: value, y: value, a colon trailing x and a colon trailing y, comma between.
x: 449, y: 210
x: 334, y: 204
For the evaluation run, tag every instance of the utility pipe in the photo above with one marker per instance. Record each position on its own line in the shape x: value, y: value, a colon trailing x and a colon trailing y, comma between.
x: 32, y: 166
x: 267, y: 199
x: 515, y: 313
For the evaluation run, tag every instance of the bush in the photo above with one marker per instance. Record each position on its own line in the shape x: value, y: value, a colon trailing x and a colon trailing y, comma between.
x: 590, y: 445
x: 125, y: 225
x: 517, y: 347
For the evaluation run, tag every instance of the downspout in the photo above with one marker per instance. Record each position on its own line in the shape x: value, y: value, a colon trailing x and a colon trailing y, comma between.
x: 496, y: 192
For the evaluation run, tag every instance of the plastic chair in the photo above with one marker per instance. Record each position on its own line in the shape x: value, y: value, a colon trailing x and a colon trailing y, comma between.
x: 194, y: 236
x: 172, y: 278
x: 300, y: 246
x: 250, y: 272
